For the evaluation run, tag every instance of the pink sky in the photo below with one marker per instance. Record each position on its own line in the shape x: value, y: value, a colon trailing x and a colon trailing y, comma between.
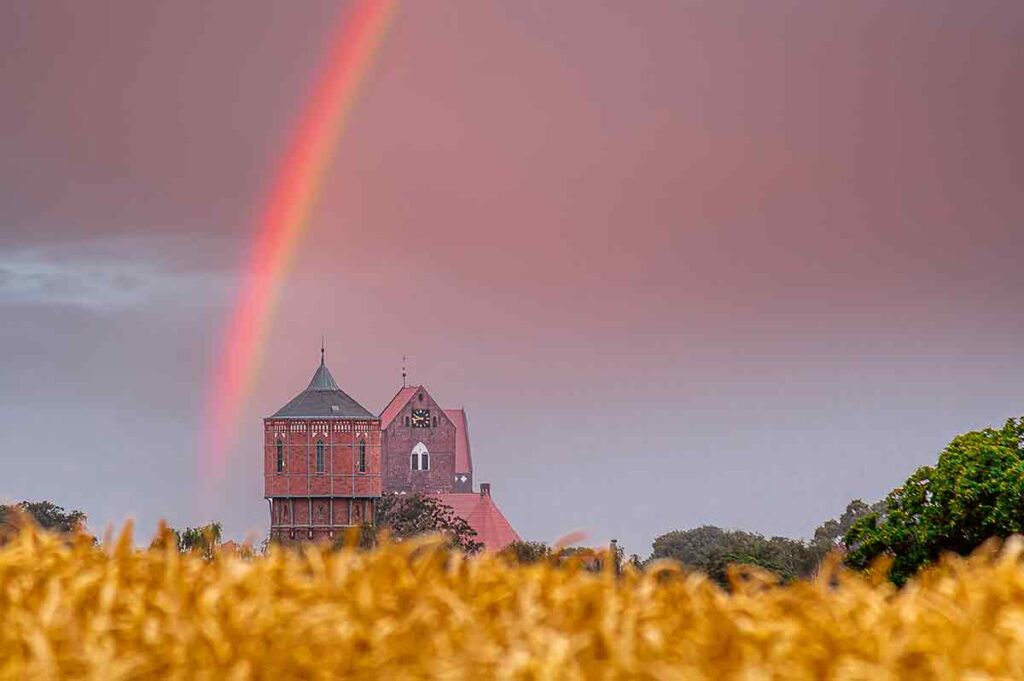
x: 727, y: 262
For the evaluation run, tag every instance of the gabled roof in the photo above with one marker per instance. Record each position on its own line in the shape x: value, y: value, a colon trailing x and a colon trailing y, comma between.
x: 479, y: 510
x: 322, y: 399
x: 463, y: 459
x: 396, y: 404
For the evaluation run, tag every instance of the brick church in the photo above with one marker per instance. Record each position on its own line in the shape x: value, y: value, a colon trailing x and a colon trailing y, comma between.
x: 327, y: 460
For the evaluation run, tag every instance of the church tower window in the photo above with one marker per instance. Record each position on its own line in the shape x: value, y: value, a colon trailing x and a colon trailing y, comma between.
x: 362, y: 456
x: 420, y: 457
x: 319, y: 456
x: 280, y: 456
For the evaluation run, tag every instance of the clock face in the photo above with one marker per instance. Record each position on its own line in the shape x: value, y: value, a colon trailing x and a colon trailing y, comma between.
x: 420, y: 418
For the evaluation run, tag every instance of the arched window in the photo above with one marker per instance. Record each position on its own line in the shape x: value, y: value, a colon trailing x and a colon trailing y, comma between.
x: 362, y: 456
x: 280, y: 456
x: 420, y: 457
x: 319, y: 456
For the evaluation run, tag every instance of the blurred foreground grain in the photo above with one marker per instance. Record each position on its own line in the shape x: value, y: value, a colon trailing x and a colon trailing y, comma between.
x: 412, y: 610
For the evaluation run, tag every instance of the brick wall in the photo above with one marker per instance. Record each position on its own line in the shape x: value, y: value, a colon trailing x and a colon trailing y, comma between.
x: 341, y: 475
x: 399, y: 439
x: 304, y: 500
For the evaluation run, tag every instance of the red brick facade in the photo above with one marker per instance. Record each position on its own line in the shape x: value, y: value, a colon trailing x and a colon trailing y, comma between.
x: 402, y: 435
x: 327, y: 460
x: 340, y: 496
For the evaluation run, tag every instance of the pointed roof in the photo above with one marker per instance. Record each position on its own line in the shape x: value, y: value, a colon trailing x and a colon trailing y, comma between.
x: 322, y: 399
x: 478, y: 509
x: 322, y: 379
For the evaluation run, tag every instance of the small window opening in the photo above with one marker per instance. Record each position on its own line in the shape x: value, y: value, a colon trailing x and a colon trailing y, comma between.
x: 319, y: 457
x: 435, y: 422
x: 406, y: 420
x: 280, y: 456
x: 420, y: 460
x: 362, y: 456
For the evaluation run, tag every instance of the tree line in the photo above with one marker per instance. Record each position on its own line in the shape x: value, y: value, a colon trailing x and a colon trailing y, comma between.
x: 973, y: 493
x: 399, y: 516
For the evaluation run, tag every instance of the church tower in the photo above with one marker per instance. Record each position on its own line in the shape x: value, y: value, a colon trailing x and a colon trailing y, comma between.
x: 425, y: 448
x: 321, y: 462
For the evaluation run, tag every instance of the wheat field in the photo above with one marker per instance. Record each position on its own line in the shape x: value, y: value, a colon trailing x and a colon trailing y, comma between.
x: 412, y: 610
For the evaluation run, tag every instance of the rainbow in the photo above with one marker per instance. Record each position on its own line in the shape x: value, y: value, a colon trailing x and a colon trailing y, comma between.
x: 284, y: 220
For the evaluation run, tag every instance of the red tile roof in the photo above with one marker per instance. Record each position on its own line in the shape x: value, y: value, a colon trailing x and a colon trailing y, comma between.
x: 463, y: 459
x: 484, y: 516
x: 395, y: 405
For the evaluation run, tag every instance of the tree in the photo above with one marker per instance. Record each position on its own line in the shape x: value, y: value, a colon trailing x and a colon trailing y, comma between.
x: 711, y: 550
x: 202, y: 540
x: 830, y: 533
x: 689, y: 547
x: 526, y: 552
x: 45, y: 514
x: 409, y: 515
x: 975, y: 491
x: 788, y: 558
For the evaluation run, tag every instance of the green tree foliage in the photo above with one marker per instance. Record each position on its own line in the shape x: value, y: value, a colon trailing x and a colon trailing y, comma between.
x: 526, y: 552
x: 975, y: 491
x: 408, y: 515
x: 830, y: 534
x: 203, y: 540
x: 690, y: 547
x: 45, y: 514
x: 711, y: 549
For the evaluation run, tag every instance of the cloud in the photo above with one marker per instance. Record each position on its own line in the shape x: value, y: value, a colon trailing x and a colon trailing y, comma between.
x: 46, y: 278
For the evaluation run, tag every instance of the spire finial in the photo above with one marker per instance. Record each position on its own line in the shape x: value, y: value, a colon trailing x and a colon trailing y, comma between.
x: 322, y: 347
x: 404, y: 372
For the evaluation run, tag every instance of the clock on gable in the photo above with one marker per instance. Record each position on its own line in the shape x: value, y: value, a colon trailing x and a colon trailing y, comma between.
x: 420, y: 418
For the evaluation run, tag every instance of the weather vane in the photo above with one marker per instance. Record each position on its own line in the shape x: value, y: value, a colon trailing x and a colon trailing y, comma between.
x: 404, y: 372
